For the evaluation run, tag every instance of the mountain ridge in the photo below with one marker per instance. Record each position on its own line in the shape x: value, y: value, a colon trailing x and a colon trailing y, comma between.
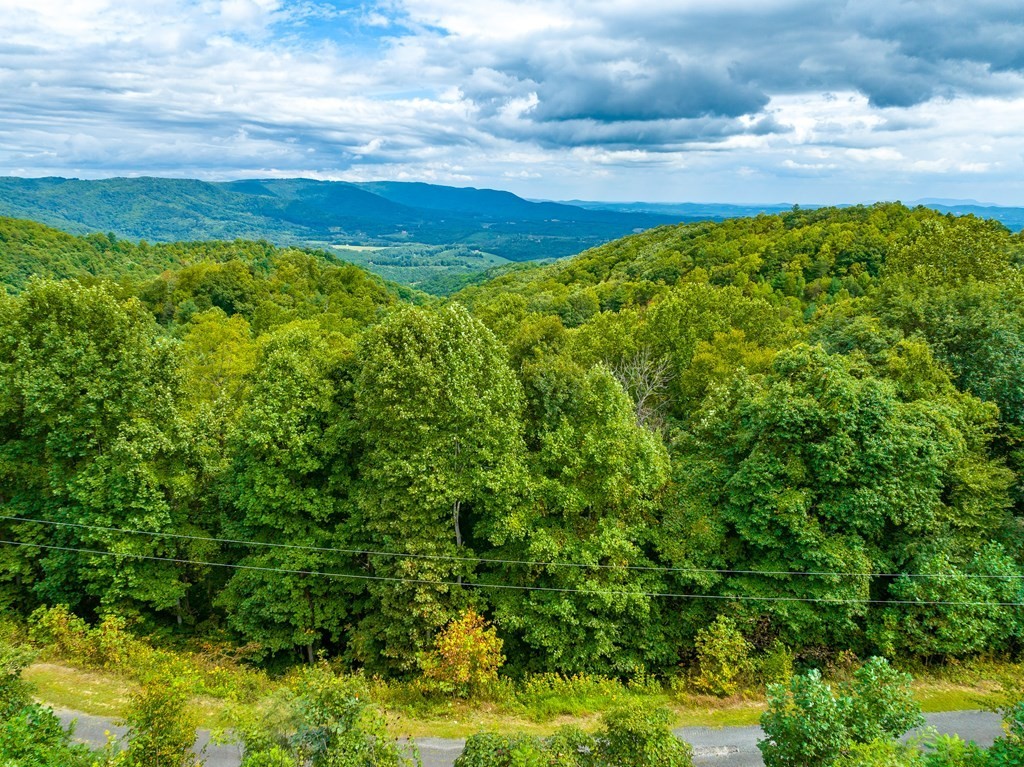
x: 316, y: 213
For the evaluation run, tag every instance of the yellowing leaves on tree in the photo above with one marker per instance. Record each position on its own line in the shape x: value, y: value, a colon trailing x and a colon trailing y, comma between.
x: 466, y: 655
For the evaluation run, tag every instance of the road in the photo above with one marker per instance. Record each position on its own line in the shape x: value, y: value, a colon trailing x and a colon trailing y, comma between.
x: 712, y: 747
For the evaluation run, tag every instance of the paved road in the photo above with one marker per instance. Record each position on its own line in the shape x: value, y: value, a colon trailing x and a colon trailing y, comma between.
x: 713, y: 747
x: 737, y: 746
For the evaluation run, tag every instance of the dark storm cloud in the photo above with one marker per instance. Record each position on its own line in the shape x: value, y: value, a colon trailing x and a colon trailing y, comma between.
x: 683, y: 61
x: 649, y: 135
x: 654, y: 88
x: 988, y: 33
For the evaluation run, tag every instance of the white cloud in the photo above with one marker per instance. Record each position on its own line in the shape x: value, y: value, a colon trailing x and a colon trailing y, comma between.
x: 672, y: 99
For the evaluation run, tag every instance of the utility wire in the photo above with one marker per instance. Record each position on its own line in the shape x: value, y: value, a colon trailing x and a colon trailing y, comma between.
x: 486, y: 560
x: 508, y: 586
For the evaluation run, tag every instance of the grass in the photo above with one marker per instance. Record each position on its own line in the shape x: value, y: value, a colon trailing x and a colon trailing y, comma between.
x: 90, y: 692
x: 937, y: 696
x: 539, y: 709
x: 102, y: 693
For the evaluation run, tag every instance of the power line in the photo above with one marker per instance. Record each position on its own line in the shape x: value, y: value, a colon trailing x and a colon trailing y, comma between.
x: 487, y: 560
x: 509, y: 586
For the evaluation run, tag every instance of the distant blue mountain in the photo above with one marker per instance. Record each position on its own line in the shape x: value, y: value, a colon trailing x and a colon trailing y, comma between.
x: 713, y: 211
x: 383, y: 213
x: 308, y: 212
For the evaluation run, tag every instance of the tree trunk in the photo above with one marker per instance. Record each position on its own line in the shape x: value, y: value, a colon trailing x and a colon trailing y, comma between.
x: 312, y: 623
x: 456, y: 508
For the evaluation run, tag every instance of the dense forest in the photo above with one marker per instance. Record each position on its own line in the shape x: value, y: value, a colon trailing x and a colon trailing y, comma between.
x: 806, y: 427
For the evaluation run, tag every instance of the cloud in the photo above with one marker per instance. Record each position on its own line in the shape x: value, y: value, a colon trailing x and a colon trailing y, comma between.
x: 594, y: 95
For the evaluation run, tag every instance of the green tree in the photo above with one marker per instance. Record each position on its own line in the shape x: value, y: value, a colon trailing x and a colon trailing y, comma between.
x: 90, y: 436
x: 820, y: 467
x: 596, y: 477
x: 965, y: 608
x: 439, y: 412
x: 289, y: 485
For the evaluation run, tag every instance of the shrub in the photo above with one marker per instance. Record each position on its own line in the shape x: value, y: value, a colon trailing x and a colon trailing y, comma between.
x: 723, y: 657
x: 1008, y: 751
x: 543, y: 696
x: 14, y: 692
x: 951, y: 751
x: 776, y: 665
x: 319, y: 720
x: 879, y: 703
x: 881, y: 753
x: 640, y: 736
x: 30, y: 734
x: 63, y: 636
x: 33, y: 735
x: 466, y: 655
x: 60, y: 632
x: 66, y: 636
x: 805, y: 725
x: 635, y: 736
x: 161, y: 729
x: 571, y: 747
x: 491, y: 750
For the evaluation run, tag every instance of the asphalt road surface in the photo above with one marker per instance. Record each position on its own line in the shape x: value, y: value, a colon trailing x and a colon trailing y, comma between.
x: 713, y: 747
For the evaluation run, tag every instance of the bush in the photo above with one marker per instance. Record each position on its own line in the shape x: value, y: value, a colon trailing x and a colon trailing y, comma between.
x: 951, y: 751
x: 161, y: 729
x: 776, y: 665
x: 14, y: 692
x: 635, y: 736
x: 879, y: 704
x: 33, y: 735
x: 805, y: 725
x: 319, y: 720
x: 1008, y: 751
x: 466, y: 656
x: 640, y: 736
x: 491, y: 750
x: 723, y: 657
x: 543, y: 696
x: 571, y: 747
x: 64, y: 635
x: 881, y: 753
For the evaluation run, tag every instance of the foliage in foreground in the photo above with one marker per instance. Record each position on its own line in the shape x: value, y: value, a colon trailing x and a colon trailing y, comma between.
x: 807, y: 724
x: 319, y: 720
x: 637, y: 736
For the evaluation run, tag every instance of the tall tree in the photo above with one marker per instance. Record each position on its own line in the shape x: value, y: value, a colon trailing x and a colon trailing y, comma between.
x: 596, y: 473
x: 440, y: 415
x: 820, y: 467
x: 90, y: 438
x: 288, y: 484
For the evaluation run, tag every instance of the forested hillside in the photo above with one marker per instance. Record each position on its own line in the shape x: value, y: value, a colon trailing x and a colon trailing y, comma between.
x: 318, y: 213
x: 806, y: 425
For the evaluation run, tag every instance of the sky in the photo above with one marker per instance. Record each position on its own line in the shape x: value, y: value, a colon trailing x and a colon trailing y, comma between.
x: 792, y: 101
